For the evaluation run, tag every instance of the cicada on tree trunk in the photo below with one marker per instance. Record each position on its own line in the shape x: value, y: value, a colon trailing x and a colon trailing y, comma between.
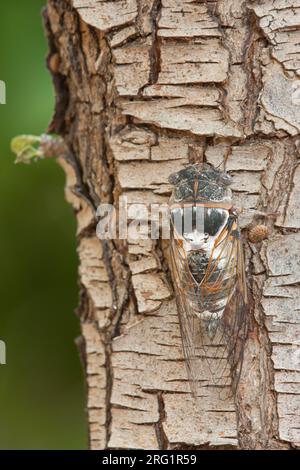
x: 207, y: 265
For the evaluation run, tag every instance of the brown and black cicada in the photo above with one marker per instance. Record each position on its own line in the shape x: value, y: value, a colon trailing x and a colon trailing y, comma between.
x: 209, y: 276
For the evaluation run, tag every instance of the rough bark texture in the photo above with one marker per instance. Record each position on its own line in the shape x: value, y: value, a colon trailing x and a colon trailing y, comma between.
x: 143, y: 87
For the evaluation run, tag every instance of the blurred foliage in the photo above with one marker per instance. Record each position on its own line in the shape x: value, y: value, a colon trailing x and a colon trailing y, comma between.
x: 41, y: 386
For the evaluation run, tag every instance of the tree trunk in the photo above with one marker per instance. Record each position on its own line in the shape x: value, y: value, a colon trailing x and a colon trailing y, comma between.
x: 143, y: 87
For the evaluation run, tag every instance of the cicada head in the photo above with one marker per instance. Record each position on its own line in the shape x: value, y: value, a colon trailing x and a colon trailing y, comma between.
x: 201, y: 183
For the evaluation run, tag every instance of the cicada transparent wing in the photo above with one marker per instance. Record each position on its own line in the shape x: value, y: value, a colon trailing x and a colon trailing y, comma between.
x: 213, y: 340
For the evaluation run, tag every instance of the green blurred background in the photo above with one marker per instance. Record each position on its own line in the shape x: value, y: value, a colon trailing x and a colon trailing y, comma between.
x: 41, y: 386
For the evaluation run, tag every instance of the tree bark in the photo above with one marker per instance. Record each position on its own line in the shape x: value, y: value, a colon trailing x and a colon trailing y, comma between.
x: 142, y: 88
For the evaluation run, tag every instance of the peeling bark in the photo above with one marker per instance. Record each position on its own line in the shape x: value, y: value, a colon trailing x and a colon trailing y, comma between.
x: 143, y: 87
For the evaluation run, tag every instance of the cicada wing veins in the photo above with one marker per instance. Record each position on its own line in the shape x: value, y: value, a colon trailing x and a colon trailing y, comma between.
x: 213, y: 359
x: 188, y: 321
x: 236, y: 319
x: 232, y: 327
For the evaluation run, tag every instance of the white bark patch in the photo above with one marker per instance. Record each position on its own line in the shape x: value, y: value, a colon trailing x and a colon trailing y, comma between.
x: 122, y: 36
x: 280, y: 22
x: 203, y: 61
x: 149, y: 290
x: 105, y: 14
x: 283, y: 256
x: 184, y: 95
x: 170, y: 149
x: 280, y: 99
x: 93, y: 273
x: 195, y: 119
x: 133, y: 144
x: 280, y: 96
x: 186, y: 18
x: 292, y: 216
x: 146, y: 263
x: 96, y: 380
x: 149, y: 175
x: 281, y: 307
x: 132, y: 66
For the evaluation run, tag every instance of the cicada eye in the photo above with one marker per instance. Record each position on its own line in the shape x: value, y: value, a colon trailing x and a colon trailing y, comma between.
x: 174, y: 178
x: 183, y: 191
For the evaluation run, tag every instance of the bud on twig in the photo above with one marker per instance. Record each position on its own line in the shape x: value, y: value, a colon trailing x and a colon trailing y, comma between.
x: 30, y: 148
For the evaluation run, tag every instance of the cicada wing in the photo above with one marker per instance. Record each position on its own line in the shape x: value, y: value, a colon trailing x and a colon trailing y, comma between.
x: 236, y: 319
x: 230, y: 328
x: 212, y: 340
x: 184, y: 287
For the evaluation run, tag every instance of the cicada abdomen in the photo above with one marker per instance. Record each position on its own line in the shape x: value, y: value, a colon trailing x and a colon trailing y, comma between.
x: 209, y: 276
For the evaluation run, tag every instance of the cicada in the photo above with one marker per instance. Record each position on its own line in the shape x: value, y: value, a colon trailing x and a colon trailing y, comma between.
x: 209, y: 278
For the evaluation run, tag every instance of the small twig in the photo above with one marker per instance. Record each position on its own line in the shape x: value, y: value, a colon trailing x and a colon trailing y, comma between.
x: 30, y: 148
